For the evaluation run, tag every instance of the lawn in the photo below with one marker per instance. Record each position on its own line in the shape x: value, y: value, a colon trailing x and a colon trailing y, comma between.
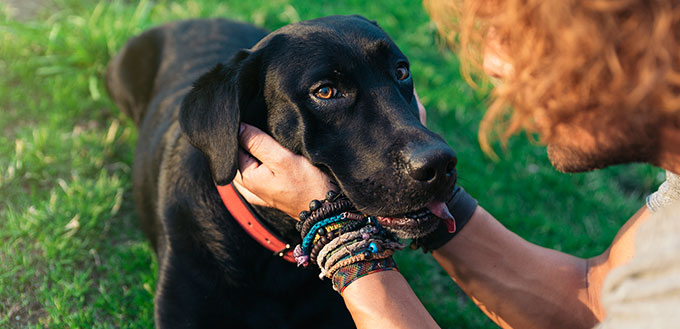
x: 71, y: 252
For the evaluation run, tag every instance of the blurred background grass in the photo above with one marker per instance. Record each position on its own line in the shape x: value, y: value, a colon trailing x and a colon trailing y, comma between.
x: 71, y: 253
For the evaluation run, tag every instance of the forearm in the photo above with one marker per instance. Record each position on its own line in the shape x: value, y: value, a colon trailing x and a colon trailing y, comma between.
x: 385, y: 300
x: 516, y: 283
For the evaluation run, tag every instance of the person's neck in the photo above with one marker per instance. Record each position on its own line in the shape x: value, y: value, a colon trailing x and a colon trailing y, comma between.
x: 669, y: 152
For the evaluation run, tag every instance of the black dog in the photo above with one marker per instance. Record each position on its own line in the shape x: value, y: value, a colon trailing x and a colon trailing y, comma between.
x: 336, y: 90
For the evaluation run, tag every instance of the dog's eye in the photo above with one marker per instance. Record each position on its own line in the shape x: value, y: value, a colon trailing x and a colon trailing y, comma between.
x: 403, y: 72
x: 326, y: 92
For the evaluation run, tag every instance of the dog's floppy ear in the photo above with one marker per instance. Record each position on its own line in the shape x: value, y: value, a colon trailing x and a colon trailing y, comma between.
x: 210, y: 113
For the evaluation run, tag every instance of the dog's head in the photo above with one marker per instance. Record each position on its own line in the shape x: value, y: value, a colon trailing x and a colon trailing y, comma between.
x: 338, y: 91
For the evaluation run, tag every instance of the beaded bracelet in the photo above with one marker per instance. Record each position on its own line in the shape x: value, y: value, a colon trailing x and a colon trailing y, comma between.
x: 331, y: 228
x: 307, y: 241
x: 344, y: 244
x: 333, y: 204
x: 327, y: 209
x: 315, y: 239
x: 322, y: 227
x: 321, y: 243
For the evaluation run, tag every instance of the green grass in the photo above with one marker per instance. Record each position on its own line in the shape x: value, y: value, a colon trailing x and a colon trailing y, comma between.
x: 71, y: 252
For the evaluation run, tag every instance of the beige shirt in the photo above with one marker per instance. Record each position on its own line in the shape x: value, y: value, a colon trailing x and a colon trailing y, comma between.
x: 668, y: 192
x: 645, y: 293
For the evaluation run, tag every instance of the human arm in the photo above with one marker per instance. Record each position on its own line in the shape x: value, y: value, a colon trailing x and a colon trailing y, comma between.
x: 471, y: 253
x: 380, y: 300
x: 516, y: 283
x: 385, y: 300
x: 522, y: 285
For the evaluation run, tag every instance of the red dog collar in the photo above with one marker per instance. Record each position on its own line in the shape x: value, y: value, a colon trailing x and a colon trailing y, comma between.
x: 252, y: 224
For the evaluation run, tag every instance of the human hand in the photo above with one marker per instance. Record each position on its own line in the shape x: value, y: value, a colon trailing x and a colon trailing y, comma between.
x: 272, y: 176
x: 422, y: 113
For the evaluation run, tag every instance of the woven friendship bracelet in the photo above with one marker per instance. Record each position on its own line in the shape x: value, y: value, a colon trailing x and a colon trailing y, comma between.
x: 358, y: 258
x: 348, y: 249
x: 325, y: 263
x: 367, y: 247
x: 344, y: 238
x: 371, y: 234
x: 371, y: 245
x: 344, y: 276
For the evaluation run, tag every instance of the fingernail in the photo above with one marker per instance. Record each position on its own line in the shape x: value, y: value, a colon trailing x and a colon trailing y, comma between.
x: 241, y: 128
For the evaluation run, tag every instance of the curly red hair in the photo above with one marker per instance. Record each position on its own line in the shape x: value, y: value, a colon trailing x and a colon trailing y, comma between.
x: 606, y: 57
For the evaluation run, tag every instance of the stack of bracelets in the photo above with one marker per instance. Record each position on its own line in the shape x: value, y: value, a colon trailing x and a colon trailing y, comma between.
x: 344, y: 243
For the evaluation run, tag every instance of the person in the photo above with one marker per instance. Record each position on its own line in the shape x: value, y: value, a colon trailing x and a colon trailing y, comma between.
x: 599, y: 82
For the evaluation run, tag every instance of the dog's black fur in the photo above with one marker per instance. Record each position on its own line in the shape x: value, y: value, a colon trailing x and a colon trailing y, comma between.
x: 369, y: 139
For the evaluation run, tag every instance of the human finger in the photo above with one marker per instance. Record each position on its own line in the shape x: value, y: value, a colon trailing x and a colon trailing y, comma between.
x: 261, y: 146
x: 246, y: 162
x: 422, y: 112
x: 249, y: 196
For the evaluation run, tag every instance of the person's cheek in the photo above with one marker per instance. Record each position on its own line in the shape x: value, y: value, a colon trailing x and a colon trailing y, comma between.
x: 495, y: 63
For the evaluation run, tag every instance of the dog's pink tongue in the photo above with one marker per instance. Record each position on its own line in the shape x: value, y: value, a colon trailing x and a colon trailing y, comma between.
x: 440, y: 210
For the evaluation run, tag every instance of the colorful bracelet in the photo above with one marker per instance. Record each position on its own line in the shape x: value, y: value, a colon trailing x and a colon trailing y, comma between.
x: 345, y: 275
x: 367, y: 247
x: 335, y: 244
x: 358, y: 258
x: 345, y: 244
x: 364, y: 233
x: 309, y: 237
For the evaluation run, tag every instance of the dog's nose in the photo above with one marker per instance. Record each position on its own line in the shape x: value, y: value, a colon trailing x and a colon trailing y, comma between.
x: 432, y: 165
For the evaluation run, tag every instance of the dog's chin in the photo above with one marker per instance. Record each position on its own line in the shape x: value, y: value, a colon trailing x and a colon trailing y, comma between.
x: 410, y: 227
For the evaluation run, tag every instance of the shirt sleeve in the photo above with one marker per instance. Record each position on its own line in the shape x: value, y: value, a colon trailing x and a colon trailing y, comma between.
x: 645, y: 293
x: 668, y: 192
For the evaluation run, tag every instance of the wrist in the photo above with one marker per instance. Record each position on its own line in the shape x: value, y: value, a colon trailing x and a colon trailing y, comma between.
x: 385, y: 300
x: 344, y: 244
x: 462, y: 206
x: 348, y: 274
